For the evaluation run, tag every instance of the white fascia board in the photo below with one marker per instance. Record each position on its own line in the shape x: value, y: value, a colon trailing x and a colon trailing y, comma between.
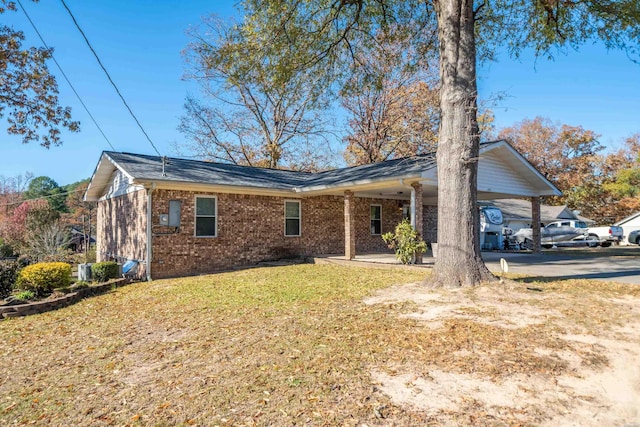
x: 102, y: 177
x: 213, y: 188
x: 360, y: 185
x: 552, y: 189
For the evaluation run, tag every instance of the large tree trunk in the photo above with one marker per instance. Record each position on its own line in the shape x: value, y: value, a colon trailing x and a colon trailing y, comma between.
x: 458, y: 262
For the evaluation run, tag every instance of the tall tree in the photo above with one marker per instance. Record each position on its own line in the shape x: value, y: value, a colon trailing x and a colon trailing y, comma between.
x: 467, y: 30
x: 391, y: 96
x: 28, y: 91
x: 47, y: 188
x: 566, y: 155
x: 253, y: 116
x: 602, y: 186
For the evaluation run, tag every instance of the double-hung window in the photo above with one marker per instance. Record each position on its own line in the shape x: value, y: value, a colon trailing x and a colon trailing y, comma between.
x: 292, y: 218
x: 376, y: 219
x: 206, y: 216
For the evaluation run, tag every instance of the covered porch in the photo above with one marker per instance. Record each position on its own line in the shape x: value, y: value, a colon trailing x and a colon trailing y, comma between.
x: 502, y: 174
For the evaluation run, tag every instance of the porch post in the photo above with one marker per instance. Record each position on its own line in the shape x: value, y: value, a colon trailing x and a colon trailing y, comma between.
x: 535, y: 226
x: 416, y: 212
x: 349, y: 226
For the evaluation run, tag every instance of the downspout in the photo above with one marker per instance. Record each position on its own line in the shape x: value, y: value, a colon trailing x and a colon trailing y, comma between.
x: 412, y: 206
x: 149, y: 230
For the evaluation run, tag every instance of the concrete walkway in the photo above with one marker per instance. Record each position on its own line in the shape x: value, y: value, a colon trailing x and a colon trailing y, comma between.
x: 617, y: 264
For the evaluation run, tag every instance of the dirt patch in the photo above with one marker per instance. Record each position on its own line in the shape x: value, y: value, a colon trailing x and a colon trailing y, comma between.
x: 596, y: 380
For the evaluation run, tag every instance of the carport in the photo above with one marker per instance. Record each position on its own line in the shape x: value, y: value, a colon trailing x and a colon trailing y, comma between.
x: 503, y: 173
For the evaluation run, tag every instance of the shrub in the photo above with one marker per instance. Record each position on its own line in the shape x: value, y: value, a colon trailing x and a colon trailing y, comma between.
x: 43, y: 277
x: 8, y: 274
x: 103, y: 271
x: 405, y: 242
x: 24, y: 296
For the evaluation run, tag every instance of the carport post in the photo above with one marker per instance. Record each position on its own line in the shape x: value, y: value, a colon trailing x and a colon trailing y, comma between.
x: 416, y: 212
x: 535, y: 226
x: 349, y: 226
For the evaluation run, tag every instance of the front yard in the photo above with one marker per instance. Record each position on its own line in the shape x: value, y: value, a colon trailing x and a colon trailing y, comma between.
x: 327, y: 345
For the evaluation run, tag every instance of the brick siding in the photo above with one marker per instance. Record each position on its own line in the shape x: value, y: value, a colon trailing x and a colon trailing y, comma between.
x: 121, y: 233
x: 430, y: 223
x: 250, y: 229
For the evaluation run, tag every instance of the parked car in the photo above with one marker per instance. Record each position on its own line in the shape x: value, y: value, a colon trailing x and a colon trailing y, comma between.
x: 559, y: 233
x: 634, y: 237
x: 604, y: 235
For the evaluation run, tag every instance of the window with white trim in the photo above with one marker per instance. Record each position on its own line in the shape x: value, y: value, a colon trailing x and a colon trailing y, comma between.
x: 292, y: 218
x: 376, y: 219
x: 206, y: 216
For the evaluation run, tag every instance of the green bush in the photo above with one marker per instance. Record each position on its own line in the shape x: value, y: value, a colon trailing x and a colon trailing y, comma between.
x: 43, y: 277
x: 8, y: 274
x: 103, y: 271
x: 405, y: 242
x: 25, y: 296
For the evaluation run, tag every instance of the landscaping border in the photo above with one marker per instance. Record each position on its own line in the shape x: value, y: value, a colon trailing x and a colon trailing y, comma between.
x: 63, y: 301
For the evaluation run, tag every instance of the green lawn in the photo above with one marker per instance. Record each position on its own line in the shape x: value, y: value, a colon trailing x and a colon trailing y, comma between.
x: 288, y: 345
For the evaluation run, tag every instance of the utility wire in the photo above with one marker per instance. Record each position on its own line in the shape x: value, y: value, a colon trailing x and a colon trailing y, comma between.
x: 109, y: 77
x: 65, y: 76
x: 64, y: 193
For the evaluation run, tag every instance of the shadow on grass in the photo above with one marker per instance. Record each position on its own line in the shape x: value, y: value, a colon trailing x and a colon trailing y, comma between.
x: 592, y: 276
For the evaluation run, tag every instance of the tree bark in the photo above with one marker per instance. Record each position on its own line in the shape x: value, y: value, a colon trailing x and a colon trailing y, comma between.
x: 458, y: 262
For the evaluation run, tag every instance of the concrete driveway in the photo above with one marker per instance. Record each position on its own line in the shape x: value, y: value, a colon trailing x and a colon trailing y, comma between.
x: 616, y: 264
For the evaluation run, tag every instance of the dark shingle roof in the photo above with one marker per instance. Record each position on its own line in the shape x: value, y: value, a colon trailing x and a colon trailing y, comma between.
x: 145, y: 167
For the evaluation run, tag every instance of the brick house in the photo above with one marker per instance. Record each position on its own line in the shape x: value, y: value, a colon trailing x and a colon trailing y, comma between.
x: 182, y: 217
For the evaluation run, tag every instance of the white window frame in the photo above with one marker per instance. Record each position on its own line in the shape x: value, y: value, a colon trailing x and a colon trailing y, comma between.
x: 374, y: 219
x: 299, y: 218
x: 196, y: 216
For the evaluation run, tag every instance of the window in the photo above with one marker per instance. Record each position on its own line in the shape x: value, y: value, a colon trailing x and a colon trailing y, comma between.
x: 292, y: 218
x: 206, y: 209
x: 376, y: 219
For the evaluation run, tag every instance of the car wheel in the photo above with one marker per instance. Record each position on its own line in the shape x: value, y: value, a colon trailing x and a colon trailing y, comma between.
x: 593, y: 241
x: 638, y: 240
x: 546, y: 246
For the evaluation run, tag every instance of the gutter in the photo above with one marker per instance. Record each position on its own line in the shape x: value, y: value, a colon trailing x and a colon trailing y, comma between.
x: 149, y: 230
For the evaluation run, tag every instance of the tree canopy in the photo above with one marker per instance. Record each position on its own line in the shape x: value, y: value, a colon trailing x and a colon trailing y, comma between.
x: 603, y: 186
x: 28, y: 91
x: 305, y: 33
x: 250, y: 114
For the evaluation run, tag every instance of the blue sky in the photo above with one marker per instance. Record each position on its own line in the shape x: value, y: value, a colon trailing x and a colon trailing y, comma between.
x: 140, y: 41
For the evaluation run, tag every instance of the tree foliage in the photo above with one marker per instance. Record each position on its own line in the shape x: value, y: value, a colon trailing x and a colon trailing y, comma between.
x: 28, y: 91
x: 251, y: 115
x: 45, y: 187
x: 602, y: 186
x: 298, y: 34
x: 392, y: 101
x: 564, y: 154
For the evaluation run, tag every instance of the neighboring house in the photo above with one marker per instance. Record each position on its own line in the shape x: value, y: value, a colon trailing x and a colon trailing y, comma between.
x: 516, y: 213
x: 628, y: 225
x: 183, y: 217
x: 79, y: 239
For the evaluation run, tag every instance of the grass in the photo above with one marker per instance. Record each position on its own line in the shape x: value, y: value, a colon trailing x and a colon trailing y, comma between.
x: 288, y: 345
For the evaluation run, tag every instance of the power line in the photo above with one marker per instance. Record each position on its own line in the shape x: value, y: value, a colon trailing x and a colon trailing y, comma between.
x: 64, y: 193
x: 65, y: 76
x: 109, y: 77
